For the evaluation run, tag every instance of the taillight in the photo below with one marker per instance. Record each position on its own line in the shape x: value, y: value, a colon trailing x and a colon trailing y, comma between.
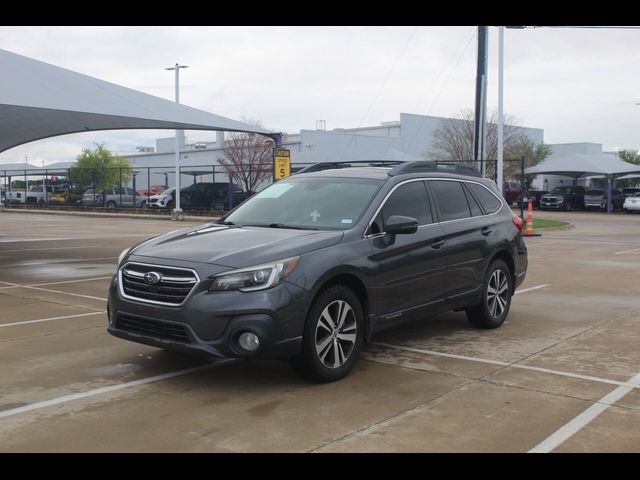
x: 517, y: 221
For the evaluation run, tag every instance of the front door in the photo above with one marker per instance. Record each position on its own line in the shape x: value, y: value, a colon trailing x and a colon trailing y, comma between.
x: 410, y: 268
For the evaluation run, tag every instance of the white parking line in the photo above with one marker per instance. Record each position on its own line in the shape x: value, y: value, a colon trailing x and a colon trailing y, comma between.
x: 532, y: 288
x: 52, y: 318
x: 628, y: 251
x: 501, y: 364
x: 113, y: 388
x: 31, y: 264
x: 16, y: 285
x: 49, y: 248
x: 54, y: 283
x: 582, y: 420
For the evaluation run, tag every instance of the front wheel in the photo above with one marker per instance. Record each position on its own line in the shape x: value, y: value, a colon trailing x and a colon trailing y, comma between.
x: 333, y: 336
x: 496, y: 298
x: 567, y: 207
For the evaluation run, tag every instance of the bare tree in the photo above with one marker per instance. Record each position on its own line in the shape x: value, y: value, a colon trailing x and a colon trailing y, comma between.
x: 248, y: 159
x: 453, y: 139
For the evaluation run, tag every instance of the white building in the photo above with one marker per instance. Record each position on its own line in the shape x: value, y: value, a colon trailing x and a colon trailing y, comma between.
x: 410, y: 138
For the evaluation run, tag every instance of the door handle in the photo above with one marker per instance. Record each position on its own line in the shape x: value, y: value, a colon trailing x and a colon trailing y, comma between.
x: 437, y: 244
x: 485, y: 231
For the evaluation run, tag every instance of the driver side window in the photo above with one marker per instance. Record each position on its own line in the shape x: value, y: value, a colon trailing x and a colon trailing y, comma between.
x: 408, y: 200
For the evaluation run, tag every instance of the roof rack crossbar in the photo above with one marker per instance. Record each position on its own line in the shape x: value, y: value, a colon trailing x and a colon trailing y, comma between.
x: 317, y: 167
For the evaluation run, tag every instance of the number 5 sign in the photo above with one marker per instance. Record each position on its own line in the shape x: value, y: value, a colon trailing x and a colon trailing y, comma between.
x: 281, y: 163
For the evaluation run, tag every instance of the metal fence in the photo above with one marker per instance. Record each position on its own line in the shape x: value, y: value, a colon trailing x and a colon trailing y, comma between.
x: 204, y: 187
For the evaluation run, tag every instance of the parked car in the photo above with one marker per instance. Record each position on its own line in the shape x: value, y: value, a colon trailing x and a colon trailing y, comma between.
x: 593, y: 199
x: 632, y: 203
x: 113, y: 198
x: 312, y: 266
x: 534, y: 195
x: 563, y: 198
x: 35, y: 194
x: 630, y: 191
x: 163, y: 200
x: 511, y: 192
x: 617, y: 200
x: 205, y: 195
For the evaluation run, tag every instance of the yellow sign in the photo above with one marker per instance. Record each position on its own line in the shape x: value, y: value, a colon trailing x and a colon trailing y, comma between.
x: 281, y: 163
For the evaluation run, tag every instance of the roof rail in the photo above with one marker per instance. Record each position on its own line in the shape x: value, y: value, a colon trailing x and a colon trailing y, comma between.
x: 317, y: 167
x: 427, y: 166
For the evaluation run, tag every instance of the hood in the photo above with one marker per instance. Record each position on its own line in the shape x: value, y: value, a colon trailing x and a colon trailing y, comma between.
x: 235, y: 247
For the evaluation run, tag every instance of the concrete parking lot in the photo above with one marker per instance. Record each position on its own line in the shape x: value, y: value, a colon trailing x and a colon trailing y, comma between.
x: 562, y: 374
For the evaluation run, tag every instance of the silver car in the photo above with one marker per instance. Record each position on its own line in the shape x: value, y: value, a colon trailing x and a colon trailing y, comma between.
x: 113, y: 197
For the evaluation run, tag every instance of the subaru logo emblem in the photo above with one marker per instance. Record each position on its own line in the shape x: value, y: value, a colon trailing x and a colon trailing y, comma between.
x: 152, y: 278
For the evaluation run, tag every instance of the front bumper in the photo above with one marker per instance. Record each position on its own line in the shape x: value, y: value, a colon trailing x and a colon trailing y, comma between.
x: 211, y: 322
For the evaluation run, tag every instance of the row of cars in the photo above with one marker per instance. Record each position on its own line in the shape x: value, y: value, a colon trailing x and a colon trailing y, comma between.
x: 569, y: 197
x: 203, y: 195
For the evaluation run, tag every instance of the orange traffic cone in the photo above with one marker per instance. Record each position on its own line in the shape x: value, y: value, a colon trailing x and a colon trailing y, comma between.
x: 529, y: 232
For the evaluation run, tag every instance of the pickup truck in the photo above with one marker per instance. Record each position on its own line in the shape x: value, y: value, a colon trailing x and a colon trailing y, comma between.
x: 33, y: 195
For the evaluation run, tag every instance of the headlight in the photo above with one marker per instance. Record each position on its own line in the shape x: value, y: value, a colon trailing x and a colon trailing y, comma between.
x: 122, y: 255
x: 254, y: 278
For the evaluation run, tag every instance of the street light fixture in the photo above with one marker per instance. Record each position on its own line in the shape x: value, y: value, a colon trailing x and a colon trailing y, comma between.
x: 177, y: 211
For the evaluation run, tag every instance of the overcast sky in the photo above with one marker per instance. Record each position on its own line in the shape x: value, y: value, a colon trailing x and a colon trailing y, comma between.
x: 579, y: 85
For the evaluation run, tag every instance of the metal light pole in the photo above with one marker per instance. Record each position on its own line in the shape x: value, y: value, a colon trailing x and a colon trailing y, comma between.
x: 177, y: 211
x: 479, y: 147
x: 500, y: 161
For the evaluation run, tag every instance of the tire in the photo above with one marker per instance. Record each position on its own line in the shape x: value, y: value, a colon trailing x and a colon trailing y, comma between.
x: 111, y: 204
x: 170, y: 204
x: 628, y: 211
x: 491, y: 314
x: 567, y: 207
x: 144, y: 204
x: 331, y: 348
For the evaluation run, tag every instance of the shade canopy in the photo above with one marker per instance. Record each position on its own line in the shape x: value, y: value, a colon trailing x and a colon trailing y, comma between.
x: 39, y: 100
x: 578, y: 165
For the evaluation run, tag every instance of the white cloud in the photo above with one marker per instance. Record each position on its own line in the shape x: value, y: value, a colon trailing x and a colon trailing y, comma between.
x: 579, y: 85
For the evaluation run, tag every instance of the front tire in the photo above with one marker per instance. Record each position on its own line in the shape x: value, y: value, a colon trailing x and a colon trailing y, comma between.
x: 496, y: 298
x: 333, y: 336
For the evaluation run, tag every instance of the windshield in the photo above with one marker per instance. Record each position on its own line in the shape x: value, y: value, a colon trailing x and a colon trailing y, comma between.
x: 561, y: 190
x: 308, y: 202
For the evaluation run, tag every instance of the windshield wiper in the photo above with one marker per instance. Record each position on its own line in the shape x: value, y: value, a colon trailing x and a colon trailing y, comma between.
x: 226, y: 223
x: 282, y: 225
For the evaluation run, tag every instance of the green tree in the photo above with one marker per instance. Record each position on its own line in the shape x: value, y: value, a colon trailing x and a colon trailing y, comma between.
x: 629, y: 157
x: 101, y: 168
x: 533, y: 154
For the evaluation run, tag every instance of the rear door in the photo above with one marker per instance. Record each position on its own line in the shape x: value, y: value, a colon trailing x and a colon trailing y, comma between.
x: 410, y: 269
x: 468, y: 235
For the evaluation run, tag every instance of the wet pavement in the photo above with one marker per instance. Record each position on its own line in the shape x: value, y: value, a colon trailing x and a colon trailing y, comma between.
x: 567, y: 350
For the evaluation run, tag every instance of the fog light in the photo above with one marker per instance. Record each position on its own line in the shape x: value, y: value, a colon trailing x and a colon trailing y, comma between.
x: 249, y: 341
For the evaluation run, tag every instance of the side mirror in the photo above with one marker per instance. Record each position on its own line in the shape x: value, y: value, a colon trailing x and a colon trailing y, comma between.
x: 400, y: 225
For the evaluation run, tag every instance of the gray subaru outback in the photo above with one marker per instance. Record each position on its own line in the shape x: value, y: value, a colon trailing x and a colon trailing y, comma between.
x: 313, y: 266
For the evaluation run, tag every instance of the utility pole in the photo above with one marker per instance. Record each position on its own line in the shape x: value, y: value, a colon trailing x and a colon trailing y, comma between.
x: 481, y: 100
x: 177, y: 212
x: 500, y: 161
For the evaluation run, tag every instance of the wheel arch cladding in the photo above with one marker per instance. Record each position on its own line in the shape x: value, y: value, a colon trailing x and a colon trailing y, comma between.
x: 506, y: 258
x: 356, y: 285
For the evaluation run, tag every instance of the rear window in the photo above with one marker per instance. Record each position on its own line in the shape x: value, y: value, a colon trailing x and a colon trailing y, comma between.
x: 489, y: 201
x: 452, y: 201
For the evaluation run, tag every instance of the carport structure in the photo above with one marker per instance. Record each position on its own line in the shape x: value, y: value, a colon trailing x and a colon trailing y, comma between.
x: 581, y: 165
x: 39, y: 100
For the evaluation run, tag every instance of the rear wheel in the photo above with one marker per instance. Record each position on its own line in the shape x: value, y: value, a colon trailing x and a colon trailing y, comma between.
x: 111, y: 204
x: 496, y: 298
x: 333, y: 336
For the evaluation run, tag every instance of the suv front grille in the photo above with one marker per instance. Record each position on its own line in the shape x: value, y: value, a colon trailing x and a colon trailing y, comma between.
x: 157, y: 284
x: 152, y: 328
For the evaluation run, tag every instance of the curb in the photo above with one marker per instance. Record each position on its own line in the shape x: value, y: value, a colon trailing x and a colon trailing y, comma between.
x: 193, y: 218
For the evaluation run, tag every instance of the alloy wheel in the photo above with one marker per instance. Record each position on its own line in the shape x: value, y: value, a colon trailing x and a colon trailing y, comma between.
x: 497, y: 293
x: 336, y: 333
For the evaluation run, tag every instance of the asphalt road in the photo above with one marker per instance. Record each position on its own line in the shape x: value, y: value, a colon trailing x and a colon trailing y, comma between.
x: 562, y: 374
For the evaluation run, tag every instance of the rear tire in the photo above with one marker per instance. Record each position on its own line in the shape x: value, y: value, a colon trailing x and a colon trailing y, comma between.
x: 111, y: 204
x: 333, y: 336
x: 492, y: 311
